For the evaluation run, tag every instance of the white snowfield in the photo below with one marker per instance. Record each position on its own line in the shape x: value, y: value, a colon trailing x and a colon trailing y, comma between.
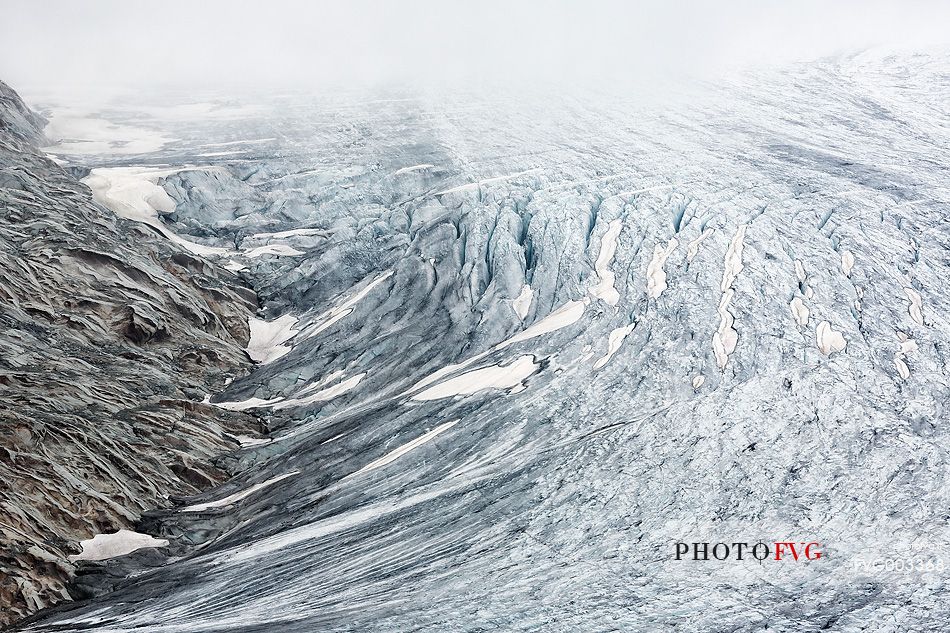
x: 614, y: 341
x: 604, y: 289
x: 522, y: 303
x: 493, y: 377
x: 334, y: 314
x: 392, y: 456
x: 105, y: 546
x: 134, y: 193
x: 79, y: 132
x: 266, y: 343
x: 829, y: 340
x: 726, y: 336
x: 272, y: 249
x: 329, y: 392
x: 692, y: 249
x: 406, y: 170
x: 237, y: 496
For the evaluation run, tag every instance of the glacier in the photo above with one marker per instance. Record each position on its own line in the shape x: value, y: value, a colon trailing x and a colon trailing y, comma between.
x: 510, y: 348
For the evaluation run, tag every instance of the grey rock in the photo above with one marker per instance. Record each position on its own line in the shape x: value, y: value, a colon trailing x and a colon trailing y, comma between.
x: 107, y: 334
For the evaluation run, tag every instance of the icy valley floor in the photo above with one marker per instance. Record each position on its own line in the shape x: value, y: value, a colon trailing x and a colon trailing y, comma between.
x: 513, y: 347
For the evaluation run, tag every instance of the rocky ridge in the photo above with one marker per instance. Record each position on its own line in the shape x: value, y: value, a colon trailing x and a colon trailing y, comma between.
x: 107, y: 335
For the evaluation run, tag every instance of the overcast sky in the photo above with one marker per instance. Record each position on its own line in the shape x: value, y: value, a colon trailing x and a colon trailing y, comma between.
x: 70, y: 43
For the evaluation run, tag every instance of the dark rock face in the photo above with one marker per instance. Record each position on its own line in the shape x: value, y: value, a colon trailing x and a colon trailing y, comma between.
x: 17, y: 120
x: 107, y: 332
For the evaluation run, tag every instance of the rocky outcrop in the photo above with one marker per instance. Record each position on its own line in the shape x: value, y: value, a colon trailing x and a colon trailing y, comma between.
x: 17, y: 120
x: 108, y: 337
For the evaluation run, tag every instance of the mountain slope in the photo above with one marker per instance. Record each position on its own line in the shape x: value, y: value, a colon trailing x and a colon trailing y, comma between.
x: 108, y: 335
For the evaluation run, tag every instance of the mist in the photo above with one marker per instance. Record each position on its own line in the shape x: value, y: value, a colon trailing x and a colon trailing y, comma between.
x: 71, y: 46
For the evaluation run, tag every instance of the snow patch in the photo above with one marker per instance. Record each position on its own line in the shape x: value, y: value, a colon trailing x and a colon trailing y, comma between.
x: 847, y: 262
x: 134, y: 193
x: 726, y: 337
x: 406, y: 170
x: 698, y: 381
x: 901, y: 365
x: 829, y: 340
x: 103, y: 546
x: 290, y: 233
x: 336, y: 313
x: 799, y: 311
x: 265, y: 345
x: 522, y: 302
x: 243, y: 405
x: 614, y: 341
x: 332, y: 377
x: 492, y: 377
x: 567, y: 314
x: 604, y: 289
x: 405, y: 448
x: 914, y: 309
x: 238, y: 496
x: 733, y: 261
x: 692, y: 249
x: 272, y: 249
x: 907, y: 346
x: 800, y: 271
x: 324, y: 394
x: 226, y: 153
x: 445, y: 371
x: 246, y: 440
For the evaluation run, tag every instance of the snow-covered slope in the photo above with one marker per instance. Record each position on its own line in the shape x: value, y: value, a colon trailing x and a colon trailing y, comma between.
x: 521, y: 345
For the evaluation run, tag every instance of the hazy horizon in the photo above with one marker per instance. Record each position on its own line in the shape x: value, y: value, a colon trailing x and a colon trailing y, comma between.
x: 81, y: 47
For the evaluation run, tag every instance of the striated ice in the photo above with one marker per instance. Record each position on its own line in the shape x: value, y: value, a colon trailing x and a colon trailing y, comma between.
x: 483, y: 440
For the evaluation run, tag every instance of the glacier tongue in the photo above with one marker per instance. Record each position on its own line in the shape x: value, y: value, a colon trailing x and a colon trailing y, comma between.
x: 505, y: 390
